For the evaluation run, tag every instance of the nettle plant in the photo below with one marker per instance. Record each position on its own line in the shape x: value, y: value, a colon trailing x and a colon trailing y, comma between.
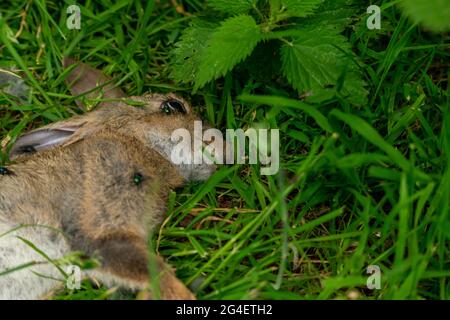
x: 299, y: 41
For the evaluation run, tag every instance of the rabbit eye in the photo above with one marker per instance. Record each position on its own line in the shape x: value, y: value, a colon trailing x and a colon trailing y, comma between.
x: 170, y: 106
x: 138, y: 178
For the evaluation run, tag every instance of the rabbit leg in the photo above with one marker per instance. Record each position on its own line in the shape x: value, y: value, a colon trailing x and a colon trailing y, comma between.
x: 125, y: 261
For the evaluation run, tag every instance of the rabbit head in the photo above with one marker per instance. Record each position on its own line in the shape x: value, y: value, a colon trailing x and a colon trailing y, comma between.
x: 150, y: 118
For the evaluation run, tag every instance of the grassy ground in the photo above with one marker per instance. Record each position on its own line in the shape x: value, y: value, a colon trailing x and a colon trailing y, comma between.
x: 372, y: 190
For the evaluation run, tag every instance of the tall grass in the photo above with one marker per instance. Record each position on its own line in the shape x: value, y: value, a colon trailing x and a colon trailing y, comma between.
x: 357, y: 186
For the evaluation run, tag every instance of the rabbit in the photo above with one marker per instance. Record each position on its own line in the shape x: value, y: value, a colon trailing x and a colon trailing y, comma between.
x: 123, y: 116
x: 149, y: 127
x: 105, y: 194
x: 101, y: 195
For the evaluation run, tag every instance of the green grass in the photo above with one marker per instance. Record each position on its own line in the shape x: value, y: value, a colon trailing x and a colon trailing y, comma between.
x: 357, y: 186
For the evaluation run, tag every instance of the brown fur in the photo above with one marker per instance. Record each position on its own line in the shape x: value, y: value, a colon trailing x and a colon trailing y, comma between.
x: 87, y: 190
x: 80, y: 182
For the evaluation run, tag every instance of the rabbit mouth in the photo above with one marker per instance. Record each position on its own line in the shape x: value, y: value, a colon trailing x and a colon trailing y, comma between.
x: 189, y: 168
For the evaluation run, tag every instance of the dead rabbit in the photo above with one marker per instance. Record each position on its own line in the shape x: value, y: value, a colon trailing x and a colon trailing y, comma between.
x: 102, y: 179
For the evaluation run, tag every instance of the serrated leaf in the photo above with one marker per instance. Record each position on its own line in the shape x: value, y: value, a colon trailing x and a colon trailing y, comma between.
x: 188, y: 53
x: 335, y: 14
x: 232, y: 42
x: 300, y: 8
x: 433, y: 14
x: 320, y: 61
x: 232, y: 6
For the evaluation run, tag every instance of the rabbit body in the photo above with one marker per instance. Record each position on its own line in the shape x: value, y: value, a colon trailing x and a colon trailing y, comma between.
x: 105, y: 194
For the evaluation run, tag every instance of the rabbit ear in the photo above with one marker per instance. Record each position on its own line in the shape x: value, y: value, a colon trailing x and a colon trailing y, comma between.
x: 84, y: 79
x: 43, y: 139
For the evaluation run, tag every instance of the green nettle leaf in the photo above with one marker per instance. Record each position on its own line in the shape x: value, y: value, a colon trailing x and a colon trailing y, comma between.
x: 337, y: 14
x: 232, y: 6
x: 188, y: 54
x: 300, y: 8
x: 433, y: 14
x: 266, y: 54
x: 319, y: 63
x: 232, y: 42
